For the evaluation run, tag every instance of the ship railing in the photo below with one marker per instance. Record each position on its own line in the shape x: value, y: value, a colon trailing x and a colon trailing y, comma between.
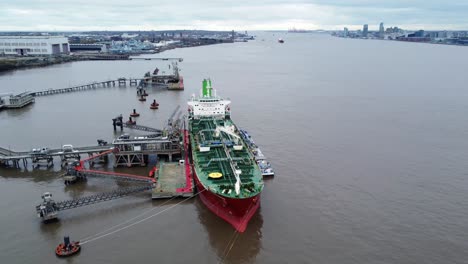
x: 215, y: 160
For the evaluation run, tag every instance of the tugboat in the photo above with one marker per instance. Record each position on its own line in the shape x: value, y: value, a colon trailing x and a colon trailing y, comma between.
x: 134, y: 114
x: 67, y: 248
x: 263, y: 164
x: 154, y: 105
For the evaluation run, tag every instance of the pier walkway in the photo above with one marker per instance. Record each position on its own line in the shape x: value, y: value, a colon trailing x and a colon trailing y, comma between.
x: 6, y: 154
x: 91, y: 86
x: 101, y: 197
x: 143, y: 128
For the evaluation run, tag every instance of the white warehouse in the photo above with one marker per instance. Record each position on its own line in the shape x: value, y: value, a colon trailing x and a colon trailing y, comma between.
x: 33, y: 45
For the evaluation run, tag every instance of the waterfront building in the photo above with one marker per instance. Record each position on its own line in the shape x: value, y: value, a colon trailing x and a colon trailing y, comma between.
x: 381, y: 30
x: 365, y: 30
x: 418, y: 34
x: 442, y: 34
x: 33, y: 45
x: 345, y: 32
x: 131, y: 46
x: 94, y: 47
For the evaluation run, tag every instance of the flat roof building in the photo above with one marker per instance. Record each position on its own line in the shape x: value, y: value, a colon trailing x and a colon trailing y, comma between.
x: 88, y: 47
x: 33, y: 45
x: 365, y: 30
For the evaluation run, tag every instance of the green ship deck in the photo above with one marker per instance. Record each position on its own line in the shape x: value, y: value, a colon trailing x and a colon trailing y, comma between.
x: 217, y: 148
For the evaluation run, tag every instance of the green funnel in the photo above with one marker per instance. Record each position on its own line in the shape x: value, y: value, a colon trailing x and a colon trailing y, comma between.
x: 209, y: 88
x: 205, y: 88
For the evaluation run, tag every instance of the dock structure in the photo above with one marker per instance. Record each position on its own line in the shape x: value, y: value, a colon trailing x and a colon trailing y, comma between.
x: 16, y: 100
x: 171, y: 181
x: 127, y: 151
x: 120, y: 82
x: 13, y: 158
x: 90, y: 86
x: 48, y: 209
x: 135, y: 151
x: 101, y: 197
x: 143, y: 128
x: 172, y: 81
x: 118, y: 122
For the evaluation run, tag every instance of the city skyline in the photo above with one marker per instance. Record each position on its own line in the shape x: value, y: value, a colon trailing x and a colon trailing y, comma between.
x: 85, y: 15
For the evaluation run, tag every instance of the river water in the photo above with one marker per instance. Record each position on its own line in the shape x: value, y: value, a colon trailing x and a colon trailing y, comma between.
x: 368, y: 139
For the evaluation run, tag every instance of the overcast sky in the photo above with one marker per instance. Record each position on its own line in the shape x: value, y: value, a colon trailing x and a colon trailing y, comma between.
x: 76, y: 15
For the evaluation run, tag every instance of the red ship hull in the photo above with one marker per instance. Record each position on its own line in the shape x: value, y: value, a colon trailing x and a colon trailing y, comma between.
x: 236, y: 212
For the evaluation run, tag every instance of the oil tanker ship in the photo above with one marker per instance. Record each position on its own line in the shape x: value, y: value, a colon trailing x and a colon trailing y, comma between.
x: 227, y: 177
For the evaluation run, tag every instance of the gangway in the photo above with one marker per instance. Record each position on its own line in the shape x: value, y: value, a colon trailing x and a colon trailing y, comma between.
x: 101, y: 197
x: 118, y: 121
x: 171, y: 118
x: 48, y: 209
x: 120, y: 176
x: 143, y: 128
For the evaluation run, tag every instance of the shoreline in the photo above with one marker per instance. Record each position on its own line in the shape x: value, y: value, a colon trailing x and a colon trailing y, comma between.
x: 11, y: 63
x: 407, y: 41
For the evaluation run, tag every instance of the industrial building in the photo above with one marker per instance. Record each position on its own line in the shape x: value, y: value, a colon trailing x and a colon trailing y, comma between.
x: 33, y: 45
x: 88, y: 48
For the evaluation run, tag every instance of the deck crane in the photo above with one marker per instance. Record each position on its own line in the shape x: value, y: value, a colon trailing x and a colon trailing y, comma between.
x: 48, y: 209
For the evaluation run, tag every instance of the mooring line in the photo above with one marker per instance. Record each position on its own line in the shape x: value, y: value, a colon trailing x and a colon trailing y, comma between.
x: 236, y: 234
x: 137, y: 222
x: 127, y: 221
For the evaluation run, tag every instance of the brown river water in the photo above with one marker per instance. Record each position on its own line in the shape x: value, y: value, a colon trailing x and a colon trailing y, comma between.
x: 368, y: 139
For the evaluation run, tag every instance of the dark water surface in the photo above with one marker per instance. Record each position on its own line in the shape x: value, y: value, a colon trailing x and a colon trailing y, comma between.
x: 368, y: 139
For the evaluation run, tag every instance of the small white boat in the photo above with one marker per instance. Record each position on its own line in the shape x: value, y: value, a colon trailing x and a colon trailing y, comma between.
x: 263, y: 164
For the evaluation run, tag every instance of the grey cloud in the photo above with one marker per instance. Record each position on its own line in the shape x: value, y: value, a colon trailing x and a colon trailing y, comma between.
x: 223, y: 14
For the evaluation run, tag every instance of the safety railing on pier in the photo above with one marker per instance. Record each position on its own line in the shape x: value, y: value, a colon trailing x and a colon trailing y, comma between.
x: 101, y: 197
x: 90, y: 86
x: 143, y: 128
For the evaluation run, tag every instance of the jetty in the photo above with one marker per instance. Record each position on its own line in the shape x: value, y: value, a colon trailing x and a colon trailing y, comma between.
x: 121, y: 82
x: 13, y: 158
x: 171, y: 179
x: 16, y: 100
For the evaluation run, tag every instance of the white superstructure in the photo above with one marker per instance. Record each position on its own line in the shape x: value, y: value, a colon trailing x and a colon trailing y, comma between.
x: 208, y: 104
x: 33, y: 45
